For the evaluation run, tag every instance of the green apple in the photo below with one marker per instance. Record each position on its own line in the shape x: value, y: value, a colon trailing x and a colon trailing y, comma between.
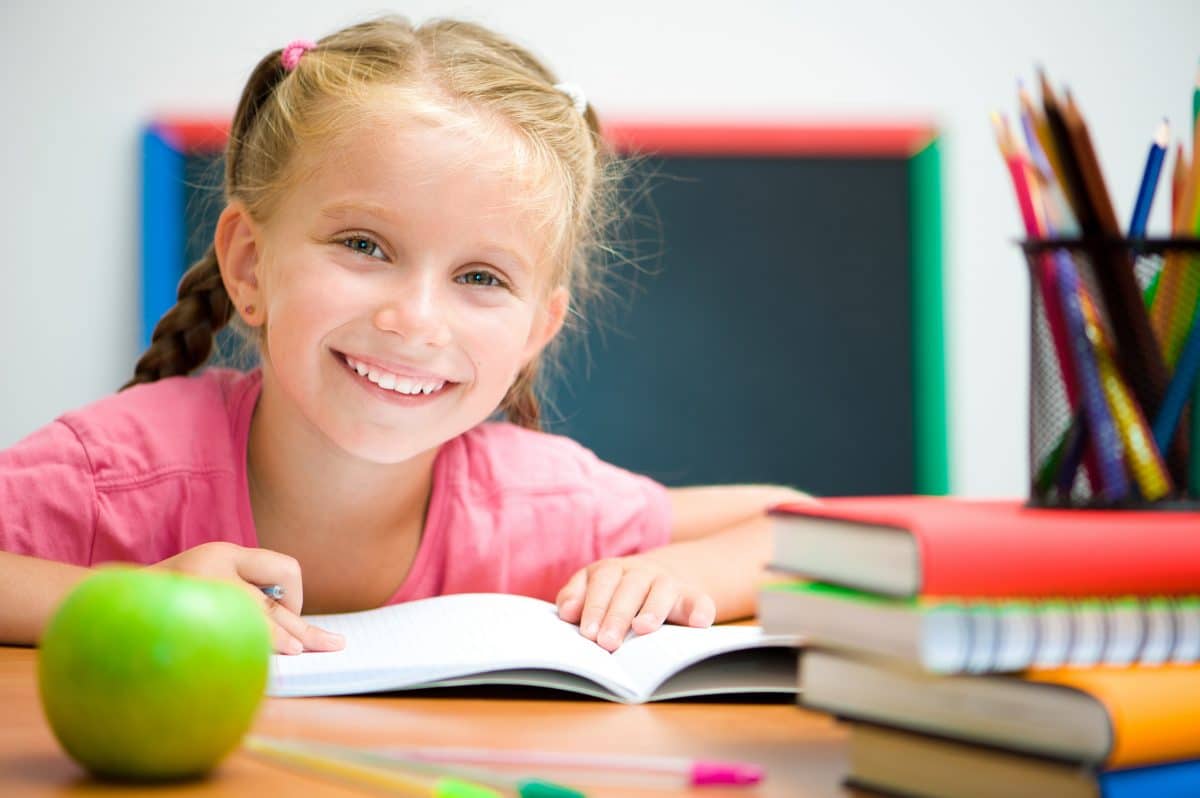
x: 150, y: 675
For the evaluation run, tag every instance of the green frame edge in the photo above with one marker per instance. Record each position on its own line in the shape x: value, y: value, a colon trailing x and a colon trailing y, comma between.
x: 930, y: 421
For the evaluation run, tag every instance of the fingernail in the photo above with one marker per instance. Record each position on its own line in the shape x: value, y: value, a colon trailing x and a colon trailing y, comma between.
x: 333, y: 638
x: 294, y: 646
x: 590, y: 630
x: 608, y: 638
x: 648, y: 618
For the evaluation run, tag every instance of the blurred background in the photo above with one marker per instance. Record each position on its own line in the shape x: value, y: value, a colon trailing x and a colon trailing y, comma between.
x: 81, y: 80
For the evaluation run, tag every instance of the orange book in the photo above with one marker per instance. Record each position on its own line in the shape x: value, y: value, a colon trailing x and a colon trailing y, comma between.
x: 1099, y: 717
x: 1153, y: 712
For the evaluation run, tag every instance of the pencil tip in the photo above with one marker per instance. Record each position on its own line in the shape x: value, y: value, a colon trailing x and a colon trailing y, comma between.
x: 1162, y: 136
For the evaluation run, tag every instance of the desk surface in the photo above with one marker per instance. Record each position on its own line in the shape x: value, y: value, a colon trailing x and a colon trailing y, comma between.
x: 804, y: 752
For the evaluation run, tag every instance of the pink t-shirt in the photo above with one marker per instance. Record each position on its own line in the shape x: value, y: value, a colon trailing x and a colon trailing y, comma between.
x: 147, y: 473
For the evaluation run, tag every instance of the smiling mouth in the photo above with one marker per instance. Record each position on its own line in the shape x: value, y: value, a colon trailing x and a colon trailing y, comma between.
x: 394, y: 383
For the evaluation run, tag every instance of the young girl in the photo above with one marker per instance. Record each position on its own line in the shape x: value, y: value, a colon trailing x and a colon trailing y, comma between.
x: 410, y: 215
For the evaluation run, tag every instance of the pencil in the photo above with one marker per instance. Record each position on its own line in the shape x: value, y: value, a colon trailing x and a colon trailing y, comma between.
x: 1178, y: 287
x: 272, y: 591
x: 1196, y: 104
x: 377, y: 760
x: 1149, y: 184
x: 1046, y: 275
x: 1106, y: 438
x: 1178, y: 178
x: 1041, y: 126
x: 678, y: 771
x: 1137, y: 353
x: 1058, y: 213
x: 400, y: 783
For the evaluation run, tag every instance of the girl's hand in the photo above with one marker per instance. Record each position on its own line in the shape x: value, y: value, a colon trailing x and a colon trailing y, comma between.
x: 610, y: 597
x: 253, y: 568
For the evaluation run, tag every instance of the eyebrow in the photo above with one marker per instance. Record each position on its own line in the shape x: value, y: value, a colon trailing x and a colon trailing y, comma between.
x: 340, y: 209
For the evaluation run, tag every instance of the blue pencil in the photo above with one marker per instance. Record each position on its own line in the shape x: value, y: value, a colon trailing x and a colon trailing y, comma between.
x: 1176, y: 397
x: 1145, y: 197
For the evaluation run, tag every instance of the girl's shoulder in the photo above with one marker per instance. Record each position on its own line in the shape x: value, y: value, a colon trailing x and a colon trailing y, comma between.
x: 500, y: 451
x: 187, y: 423
x: 499, y: 457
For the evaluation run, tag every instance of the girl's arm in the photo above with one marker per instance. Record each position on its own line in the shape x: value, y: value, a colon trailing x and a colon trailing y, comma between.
x: 709, y: 572
x: 32, y: 588
x: 703, y: 511
x: 30, y: 591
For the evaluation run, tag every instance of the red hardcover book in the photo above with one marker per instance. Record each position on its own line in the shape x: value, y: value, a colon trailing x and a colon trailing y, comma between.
x: 941, y: 546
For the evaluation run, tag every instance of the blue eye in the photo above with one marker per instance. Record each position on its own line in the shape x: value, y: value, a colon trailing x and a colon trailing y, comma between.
x: 365, y: 246
x: 483, y: 279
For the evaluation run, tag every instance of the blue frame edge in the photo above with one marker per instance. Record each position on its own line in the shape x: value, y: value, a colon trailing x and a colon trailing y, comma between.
x: 162, y: 227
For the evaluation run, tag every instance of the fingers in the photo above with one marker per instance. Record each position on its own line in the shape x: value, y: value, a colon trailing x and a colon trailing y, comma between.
x: 570, y: 598
x: 627, y: 600
x: 693, y: 608
x: 664, y: 594
x: 602, y: 581
x: 292, y: 634
x: 264, y: 567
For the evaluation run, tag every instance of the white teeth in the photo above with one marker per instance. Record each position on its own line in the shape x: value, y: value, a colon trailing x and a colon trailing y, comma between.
x: 392, y: 382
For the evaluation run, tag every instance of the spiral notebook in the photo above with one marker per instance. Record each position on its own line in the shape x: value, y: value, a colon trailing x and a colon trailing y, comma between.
x: 978, y: 636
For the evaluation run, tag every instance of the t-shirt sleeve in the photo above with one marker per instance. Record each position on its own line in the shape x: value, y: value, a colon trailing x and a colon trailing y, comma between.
x: 631, y: 512
x: 48, y: 497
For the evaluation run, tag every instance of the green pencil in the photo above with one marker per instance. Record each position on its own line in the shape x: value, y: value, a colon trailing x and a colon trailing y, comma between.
x: 1196, y: 104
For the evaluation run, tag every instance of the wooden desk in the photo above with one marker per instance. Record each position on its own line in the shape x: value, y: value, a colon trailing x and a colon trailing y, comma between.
x: 804, y: 752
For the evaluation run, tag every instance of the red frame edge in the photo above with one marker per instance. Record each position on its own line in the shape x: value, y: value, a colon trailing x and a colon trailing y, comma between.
x: 202, y: 134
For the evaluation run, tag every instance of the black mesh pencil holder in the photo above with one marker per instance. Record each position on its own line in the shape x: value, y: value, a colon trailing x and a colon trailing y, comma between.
x: 1114, y: 359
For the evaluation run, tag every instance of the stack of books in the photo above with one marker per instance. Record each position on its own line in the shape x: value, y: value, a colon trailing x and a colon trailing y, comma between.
x: 982, y: 648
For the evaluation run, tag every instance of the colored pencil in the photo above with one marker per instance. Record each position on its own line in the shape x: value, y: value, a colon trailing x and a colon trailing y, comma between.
x: 678, y: 772
x: 1138, y: 356
x: 1058, y: 212
x: 1178, y: 288
x: 1149, y: 185
x: 1105, y: 475
x: 491, y: 781
x: 356, y: 772
x: 1178, y: 178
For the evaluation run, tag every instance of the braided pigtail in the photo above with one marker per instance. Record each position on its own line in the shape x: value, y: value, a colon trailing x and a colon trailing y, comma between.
x: 183, y: 337
x: 520, y: 405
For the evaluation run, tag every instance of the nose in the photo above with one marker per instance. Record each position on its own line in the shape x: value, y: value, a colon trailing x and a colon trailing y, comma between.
x: 414, y: 309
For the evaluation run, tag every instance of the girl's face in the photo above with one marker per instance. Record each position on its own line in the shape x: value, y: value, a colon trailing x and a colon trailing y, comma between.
x: 404, y: 285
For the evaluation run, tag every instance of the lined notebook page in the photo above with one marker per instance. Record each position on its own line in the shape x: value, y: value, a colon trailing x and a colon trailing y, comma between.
x: 404, y: 645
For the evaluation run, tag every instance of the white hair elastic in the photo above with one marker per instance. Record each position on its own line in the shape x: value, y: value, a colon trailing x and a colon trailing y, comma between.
x: 578, y: 98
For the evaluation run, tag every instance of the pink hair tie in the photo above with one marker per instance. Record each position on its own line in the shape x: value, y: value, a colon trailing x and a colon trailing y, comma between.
x: 290, y: 56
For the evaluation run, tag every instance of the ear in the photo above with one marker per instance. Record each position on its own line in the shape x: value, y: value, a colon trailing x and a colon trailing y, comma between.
x: 547, y: 323
x: 236, y: 244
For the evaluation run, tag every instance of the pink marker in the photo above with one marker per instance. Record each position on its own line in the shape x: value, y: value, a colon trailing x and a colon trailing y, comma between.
x: 623, y: 770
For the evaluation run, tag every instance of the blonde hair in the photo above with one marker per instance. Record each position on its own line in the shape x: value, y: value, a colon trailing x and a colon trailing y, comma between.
x: 440, y: 65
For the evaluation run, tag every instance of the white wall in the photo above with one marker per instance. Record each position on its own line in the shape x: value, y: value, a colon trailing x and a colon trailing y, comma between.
x: 79, y: 78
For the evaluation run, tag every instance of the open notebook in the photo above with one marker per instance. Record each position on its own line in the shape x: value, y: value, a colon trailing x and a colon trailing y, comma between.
x: 487, y: 638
